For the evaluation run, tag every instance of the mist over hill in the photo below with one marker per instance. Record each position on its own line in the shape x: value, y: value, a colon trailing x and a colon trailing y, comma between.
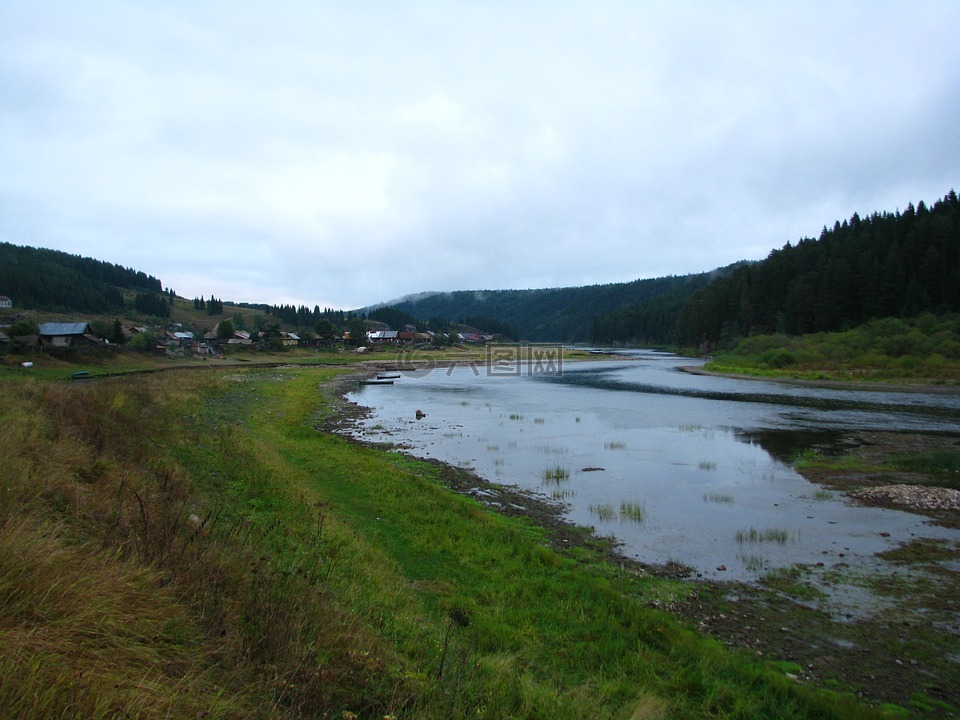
x: 548, y: 314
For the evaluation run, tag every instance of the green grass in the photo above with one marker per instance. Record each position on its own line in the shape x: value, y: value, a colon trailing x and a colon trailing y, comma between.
x: 230, y: 560
x: 812, y: 459
x: 629, y: 511
x: 556, y: 474
x: 924, y: 349
x: 632, y: 511
x: 604, y: 512
x: 940, y: 467
x: 770, y: 535
x: 946, y: 461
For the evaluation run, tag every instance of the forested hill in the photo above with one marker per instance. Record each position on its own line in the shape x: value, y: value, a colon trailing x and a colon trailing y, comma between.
x: 901, y: 264
x: 43, y: 279
x: 554, y: 315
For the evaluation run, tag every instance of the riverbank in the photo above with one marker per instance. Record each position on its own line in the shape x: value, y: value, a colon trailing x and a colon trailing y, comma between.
x: 906, y: 385
x: 889, y: 637
x: 238, y: 563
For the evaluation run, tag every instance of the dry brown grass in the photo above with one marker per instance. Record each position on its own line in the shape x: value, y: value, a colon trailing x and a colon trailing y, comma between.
x: 125, y: 590
x: 86, y: 636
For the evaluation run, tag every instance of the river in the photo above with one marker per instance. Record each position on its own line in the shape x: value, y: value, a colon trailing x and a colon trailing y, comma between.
x: 676, y: 467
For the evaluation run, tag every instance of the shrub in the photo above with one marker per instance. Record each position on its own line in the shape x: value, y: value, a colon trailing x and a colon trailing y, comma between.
x: 777, y: 359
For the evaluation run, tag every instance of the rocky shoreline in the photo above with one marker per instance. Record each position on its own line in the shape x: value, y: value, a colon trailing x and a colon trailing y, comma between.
x: 913, y: 497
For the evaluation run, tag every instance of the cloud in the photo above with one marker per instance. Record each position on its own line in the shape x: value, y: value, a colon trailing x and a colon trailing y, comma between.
x: 345, y: 154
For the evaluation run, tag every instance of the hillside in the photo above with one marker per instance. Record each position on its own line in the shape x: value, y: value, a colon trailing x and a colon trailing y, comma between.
x: 889, y: 264
x: 42, y: 279
x: 550, y: 314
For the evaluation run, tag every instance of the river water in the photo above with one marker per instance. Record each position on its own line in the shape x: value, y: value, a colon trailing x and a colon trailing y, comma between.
x: 675, y: 466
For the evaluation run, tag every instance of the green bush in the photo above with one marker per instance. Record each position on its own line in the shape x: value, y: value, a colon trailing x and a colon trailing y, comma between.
x: 777, y: 359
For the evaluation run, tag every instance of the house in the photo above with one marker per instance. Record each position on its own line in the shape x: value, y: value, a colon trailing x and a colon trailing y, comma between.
x: 177, y: 340
x: 5, y: 302
x: 63, y: 335
x: 289, y: 339
x: 198, y: 347
x: 382, y: 336
x: 184, y: 338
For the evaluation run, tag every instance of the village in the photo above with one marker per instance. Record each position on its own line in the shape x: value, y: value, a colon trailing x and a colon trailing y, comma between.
x: 20, y: 335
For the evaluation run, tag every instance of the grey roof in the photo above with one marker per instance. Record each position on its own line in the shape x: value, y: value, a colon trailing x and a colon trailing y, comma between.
x: 74, y: 328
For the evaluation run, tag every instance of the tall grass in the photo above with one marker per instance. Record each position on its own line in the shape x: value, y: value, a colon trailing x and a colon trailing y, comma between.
x: 147, y: 565
x: 770, y: 535
x: 556, y: 474
x: 629, y: 511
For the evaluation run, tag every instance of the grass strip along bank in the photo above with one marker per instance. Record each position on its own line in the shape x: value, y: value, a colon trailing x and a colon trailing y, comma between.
x: 921, y: 352
x: 191, y: 545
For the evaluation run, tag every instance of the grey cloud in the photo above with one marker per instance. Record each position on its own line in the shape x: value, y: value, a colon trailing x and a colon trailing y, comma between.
x: 341, y: 155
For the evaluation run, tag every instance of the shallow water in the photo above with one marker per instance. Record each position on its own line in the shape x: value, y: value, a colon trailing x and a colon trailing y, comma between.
x: 675, y: 466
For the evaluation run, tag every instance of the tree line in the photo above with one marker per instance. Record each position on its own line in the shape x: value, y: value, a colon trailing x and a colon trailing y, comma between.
x: 898, y: 264
x: 213, y: 306
x: 549, y: 314
x: 302, y: 316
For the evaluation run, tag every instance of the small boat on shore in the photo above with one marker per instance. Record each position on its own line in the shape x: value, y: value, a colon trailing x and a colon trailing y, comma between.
x: 376, y: 381
x: 388, y: 376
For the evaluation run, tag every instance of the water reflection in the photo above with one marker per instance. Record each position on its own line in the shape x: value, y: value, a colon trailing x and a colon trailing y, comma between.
x: 677, y: 467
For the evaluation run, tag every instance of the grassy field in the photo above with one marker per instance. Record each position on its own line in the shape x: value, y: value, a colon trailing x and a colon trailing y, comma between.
x: 190, y: 544
x: 925, y: 349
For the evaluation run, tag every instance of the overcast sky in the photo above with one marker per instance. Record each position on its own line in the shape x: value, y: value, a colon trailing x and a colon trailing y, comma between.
x: 345, y: 153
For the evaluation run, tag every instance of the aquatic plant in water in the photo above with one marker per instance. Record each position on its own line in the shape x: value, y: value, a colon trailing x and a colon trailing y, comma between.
x: 722, y: 498
x: 604, y: 512
x: 556, y: 474
x: 635, y: 512
x: 753, y: 535
x: 629, y: 511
